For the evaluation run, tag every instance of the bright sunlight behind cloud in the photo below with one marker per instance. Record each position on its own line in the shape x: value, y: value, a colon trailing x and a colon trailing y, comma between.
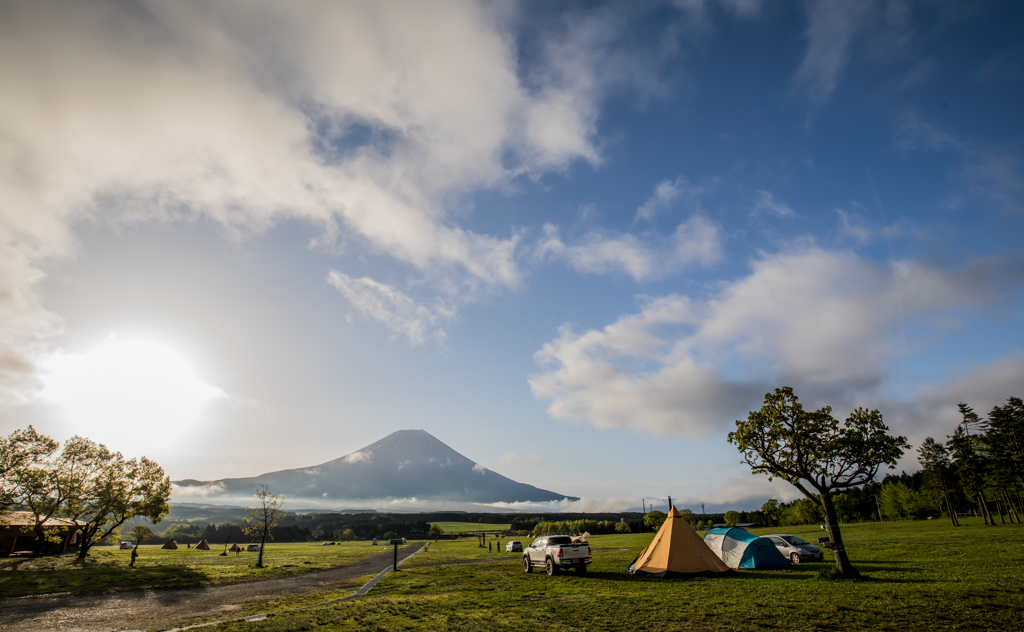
x: 123, y: 390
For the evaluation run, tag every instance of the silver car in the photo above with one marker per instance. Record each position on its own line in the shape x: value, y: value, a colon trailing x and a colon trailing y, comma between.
x: 796, y: 549
x: 513, y: 546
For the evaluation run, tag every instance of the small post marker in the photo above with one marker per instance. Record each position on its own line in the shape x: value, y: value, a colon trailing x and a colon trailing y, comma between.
x: 396, y: 542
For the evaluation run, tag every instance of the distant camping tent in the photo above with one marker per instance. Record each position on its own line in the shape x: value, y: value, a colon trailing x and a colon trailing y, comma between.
x: 203, y: 545
x: 739, y: 548
x: 170, y: 544
x: 676, y: 549
x: 234, y: 548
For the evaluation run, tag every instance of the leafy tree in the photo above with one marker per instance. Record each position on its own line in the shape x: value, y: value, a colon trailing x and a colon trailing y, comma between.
x: 899, y: 500
x: 772, y: 512
x: 968, y: 459
x: 1004, y: 443
x: 814, y: 453
x: 700, y: 525
x: 435, y: 531
x: 261, y: 519
x: 687, y: 515
x: 732, y: 518
x: 654, y: 519
x: 111, y: 490
x: 140, y: 533
x: 934, y: 458
x: 622, y: 527
x: 21, y: 454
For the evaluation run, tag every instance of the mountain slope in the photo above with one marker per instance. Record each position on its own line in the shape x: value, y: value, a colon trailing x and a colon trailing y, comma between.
x: 404, y: 464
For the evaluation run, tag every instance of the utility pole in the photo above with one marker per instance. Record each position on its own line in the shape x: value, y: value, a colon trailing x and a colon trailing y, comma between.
x: 703, y: 513
x: 643, y: 501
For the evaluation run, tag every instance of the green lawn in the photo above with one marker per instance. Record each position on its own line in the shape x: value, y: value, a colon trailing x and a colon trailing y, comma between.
x: 471, y: 527
x: 106, y: 568
x: 920, y: 576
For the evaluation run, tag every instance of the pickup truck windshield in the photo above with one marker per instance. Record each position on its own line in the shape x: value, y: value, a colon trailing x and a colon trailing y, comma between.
x: 561, y: 539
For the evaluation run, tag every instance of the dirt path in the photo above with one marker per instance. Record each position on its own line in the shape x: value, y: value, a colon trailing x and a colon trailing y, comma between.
x: 168, y: 607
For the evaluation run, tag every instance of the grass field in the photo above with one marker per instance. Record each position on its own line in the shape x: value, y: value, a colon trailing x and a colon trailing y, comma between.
x: 920, y: 576
x: 471, y: 527
x: 106, y: 568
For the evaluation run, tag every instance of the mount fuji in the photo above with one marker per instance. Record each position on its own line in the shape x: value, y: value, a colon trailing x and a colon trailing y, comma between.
x: 405, y: 464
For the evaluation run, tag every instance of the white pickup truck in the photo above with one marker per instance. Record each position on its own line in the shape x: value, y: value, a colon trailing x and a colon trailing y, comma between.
x: 555, y: 552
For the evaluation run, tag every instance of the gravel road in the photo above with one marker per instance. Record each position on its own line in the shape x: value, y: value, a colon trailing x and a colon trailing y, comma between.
x: 163, y: 608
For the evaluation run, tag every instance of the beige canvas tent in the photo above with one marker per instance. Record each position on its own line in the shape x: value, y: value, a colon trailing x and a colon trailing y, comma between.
x: 234, y: 548
x: 170, y: 544
x: 203, y: 545
x: 676, y: 549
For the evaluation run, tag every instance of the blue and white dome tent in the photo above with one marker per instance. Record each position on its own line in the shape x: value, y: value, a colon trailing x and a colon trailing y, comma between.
x: 739, y: 548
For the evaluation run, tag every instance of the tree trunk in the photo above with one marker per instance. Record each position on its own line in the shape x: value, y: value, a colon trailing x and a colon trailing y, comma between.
x: 980, y: 499
x: 1010, y: 508
x: 263, y: 541
x: 832, y: 527
x: 949, y: 505
x: 950, y: 509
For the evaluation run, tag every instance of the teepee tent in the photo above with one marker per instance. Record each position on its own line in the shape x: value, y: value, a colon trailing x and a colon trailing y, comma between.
x: 234, y: 547
x: 741, y: 549
x: 676, y: 549
x: 203, y: 545
x: 170, y: 544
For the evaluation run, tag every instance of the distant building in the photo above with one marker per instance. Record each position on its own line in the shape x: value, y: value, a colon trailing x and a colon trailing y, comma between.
x: 17, y: 534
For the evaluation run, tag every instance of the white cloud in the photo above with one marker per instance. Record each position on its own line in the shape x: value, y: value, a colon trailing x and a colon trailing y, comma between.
x: 826, y: 323
x: 914, y: 133
x: 833, y: 26
x: 368, y: 120
x: 394, y: 309
x: 189, y: 492
x: 665, y: 193
x: 646, y: 257
x: 513, y: 458
x: 358, y: 456
x: 479, y: 469
x: 508, y: 458
x: 767, y: 202
x: 854, y: 227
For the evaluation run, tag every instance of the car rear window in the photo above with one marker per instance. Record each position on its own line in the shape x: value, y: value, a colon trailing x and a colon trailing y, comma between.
x: 559, y: 539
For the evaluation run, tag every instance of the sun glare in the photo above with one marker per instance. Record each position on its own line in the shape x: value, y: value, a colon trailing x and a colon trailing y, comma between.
x: 124, y: 393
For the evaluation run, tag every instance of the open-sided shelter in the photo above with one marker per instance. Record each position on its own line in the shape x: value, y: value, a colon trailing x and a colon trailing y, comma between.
x: 19, y: 533
x: 676, y: 550
x: 741, y: 549
x: 170, y: 544
x: 203, y: 545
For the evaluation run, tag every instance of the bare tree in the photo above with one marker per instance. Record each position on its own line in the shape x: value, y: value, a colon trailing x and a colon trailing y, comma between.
x: 262, y: 518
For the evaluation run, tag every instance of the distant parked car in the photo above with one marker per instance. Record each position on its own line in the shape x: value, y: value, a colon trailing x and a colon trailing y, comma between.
x: 253, y: 547
x: 127, y: 545
x: 514, y: 546
x: 796, y: 549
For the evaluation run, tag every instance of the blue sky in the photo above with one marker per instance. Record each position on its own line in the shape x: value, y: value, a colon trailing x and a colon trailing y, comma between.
x: 573, y: 241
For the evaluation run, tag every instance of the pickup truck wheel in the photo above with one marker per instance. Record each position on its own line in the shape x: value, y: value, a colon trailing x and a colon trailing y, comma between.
x: 526, y: 564
x: 550, y: 567
x: 581, y: 570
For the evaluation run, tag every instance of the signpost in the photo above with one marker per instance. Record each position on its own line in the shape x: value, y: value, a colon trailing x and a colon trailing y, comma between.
x: 396, y: 542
